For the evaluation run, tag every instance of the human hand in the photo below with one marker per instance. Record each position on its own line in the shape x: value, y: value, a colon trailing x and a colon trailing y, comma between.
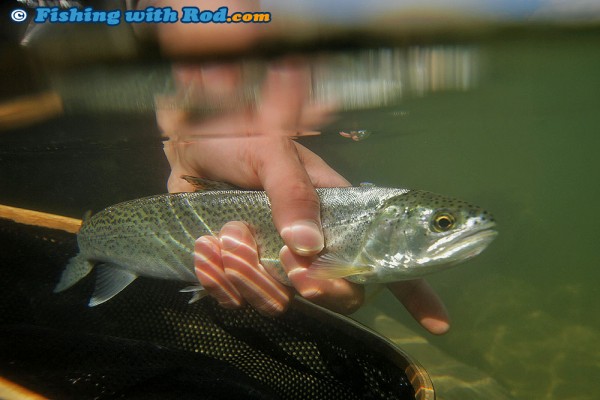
x: 260, y: 154
x: 231, y: 261
x: 229, y: 269
x: 257, y: 152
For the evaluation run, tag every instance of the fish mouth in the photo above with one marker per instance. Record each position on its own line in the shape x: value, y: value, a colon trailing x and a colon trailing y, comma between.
x: 464, y: 245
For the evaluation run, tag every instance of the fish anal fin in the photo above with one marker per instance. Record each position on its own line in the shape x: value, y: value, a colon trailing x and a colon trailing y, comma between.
x: 331, y: 266
x: 77, y: 268
x: 110, y: 281
x: 198, y: 293
x: 204, y: 185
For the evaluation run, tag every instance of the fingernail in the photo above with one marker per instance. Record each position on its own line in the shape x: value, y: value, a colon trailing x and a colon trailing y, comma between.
x: 304, y: 238
x: 435, y: 326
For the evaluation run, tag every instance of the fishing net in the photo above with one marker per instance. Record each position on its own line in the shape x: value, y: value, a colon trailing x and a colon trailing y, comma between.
x: 149, y: 343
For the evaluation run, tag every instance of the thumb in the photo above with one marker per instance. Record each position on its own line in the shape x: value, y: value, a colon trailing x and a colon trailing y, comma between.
x: 294, y: 202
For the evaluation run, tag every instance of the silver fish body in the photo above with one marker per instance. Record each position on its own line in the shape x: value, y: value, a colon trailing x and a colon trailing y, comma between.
x: 372, y: 234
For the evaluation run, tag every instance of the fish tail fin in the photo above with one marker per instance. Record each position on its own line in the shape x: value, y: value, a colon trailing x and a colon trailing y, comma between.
x: 77, y: 268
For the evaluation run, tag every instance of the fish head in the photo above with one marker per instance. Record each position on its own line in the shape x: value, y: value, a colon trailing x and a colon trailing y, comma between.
x: 416, y: 233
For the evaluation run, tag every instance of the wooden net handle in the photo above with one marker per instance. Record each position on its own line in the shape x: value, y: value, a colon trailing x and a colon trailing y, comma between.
x: 37, y: 218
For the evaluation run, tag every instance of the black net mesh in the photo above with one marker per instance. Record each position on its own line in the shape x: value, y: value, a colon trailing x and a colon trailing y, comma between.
x: 149, y: 343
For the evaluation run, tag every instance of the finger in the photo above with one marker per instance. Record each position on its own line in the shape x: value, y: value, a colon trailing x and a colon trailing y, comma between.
x: 423, y: 303
x: 321, y: 174
x: 242, y: 268
x: 335, y: 294
x: 175, y: 183
x: 209, y: 270
x: 294, y: 201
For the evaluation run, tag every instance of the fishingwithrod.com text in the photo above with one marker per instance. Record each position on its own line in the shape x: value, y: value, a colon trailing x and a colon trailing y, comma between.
x: 155, y: 15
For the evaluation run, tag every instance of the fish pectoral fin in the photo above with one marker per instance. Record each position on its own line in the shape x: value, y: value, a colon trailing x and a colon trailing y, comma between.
x: 198, y: 290
x: 331, y: 266
x: 204, y: 185
x: 110, y: 281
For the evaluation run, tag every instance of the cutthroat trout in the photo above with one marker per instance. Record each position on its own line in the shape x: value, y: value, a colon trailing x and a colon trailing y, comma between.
x: 372, y: 234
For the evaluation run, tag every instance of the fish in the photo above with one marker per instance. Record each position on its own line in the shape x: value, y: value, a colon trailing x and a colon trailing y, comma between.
x: 372, y: 235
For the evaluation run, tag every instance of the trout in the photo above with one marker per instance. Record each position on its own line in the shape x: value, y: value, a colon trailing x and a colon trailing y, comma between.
x: 372, y: 235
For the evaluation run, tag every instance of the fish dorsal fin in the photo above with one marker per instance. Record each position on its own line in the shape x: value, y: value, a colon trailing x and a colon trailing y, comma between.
x: 202, y: 184
x: 86, y: 216
x: 110, y: 280
x: 331, y: 266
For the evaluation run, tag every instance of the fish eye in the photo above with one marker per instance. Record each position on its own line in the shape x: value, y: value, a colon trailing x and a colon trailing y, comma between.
x: 443, y: 221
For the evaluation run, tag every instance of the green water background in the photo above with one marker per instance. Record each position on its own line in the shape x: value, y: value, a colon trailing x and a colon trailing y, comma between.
x: 524, y: 144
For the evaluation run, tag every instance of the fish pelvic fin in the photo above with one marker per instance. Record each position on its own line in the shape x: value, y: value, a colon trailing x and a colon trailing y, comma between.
x: 204, y: 185
x: 331, y: 266
x: 77, y: 268
x: 110, y: 281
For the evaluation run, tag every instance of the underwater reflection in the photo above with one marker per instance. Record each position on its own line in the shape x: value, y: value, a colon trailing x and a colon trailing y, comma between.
x: 325, y: 83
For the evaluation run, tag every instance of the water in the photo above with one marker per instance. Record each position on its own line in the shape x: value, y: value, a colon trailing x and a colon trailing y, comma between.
x: 522, y: 143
